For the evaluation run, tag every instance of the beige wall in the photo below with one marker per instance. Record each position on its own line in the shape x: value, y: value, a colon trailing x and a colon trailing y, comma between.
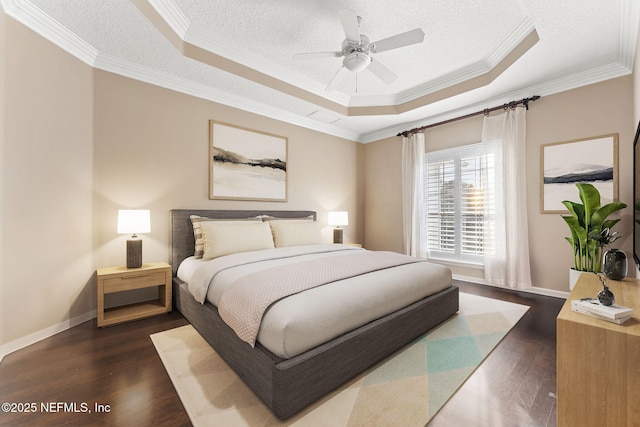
x: 151, y: 151
x: 383, y: 198
x: 79, y: 144
x: 594, y: 110
x: 47, y: 173
x: 589, y: 111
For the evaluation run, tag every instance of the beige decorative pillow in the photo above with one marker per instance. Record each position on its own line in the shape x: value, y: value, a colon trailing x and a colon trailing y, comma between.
x: 197, y: 231
x: 295, y: 233
x: 230, y: 237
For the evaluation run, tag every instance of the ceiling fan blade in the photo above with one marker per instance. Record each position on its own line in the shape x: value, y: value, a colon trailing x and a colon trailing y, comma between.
x: 399, y: 40
x: 349, y: 20
x: 381, y: 72
x: 335, y: 81
x: 314, y: 55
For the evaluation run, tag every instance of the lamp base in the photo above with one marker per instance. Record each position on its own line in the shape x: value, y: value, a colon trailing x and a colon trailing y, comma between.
x: 134, y: 253
x: 337, y: 235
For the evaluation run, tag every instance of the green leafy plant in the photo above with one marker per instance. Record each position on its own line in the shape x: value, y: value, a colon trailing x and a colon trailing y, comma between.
x: 590, y: 228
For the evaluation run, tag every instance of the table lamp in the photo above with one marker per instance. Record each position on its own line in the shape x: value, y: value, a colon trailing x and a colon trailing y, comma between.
x: 338, y: 218
x: 133, y: 221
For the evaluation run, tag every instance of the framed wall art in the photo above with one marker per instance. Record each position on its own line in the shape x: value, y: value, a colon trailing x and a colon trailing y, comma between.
x: 563, y: 164
x: 246, y: 164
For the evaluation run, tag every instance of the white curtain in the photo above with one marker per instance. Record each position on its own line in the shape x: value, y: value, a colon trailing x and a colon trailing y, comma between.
x: 413, y: 195
x: 506, y: 259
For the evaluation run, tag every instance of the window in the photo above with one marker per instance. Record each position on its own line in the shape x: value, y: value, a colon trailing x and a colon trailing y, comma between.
x: 456, y: 203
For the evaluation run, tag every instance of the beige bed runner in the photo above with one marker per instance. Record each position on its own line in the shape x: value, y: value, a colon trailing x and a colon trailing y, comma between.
x: 244, y: 303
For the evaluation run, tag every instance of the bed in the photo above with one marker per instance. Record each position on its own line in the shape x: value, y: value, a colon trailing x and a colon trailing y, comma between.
x: 287, y: 384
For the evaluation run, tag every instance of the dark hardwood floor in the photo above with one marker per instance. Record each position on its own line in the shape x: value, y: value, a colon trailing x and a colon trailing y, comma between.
x: 116, y: 366
x: 119, y: 367
x: 511, y: 387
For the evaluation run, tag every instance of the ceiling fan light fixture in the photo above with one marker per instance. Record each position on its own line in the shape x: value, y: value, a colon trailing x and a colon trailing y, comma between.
x: 356, y: 61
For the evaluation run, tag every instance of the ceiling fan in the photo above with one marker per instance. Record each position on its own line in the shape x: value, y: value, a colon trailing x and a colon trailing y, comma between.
x: 357, y: 50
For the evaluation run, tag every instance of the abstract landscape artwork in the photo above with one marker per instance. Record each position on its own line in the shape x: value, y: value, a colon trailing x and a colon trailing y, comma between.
x: 563, y: 164
x: 245, y: 164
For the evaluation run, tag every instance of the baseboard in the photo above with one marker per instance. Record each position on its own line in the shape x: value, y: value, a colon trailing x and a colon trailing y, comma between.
x: 534, y: 290
x: 33, y: 338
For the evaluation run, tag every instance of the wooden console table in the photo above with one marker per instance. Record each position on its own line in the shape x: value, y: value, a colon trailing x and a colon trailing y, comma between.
x: 598, y: 362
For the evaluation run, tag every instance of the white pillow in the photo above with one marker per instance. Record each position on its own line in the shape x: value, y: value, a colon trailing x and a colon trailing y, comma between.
x: 197, y: 232
x: 295, y: 233
x: 230, y: 237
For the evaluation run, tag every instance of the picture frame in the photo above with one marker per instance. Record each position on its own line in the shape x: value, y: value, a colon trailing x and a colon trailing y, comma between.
x: 563, y: 164
x: 246, y: 164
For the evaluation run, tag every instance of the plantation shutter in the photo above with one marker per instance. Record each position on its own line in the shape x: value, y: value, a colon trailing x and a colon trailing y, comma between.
x: 455, y: 203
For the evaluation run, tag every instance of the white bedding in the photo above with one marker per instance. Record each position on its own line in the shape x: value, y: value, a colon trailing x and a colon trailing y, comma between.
x: 302, y: 321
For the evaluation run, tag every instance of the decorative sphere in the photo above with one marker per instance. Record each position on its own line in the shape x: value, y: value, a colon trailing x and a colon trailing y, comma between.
x: 606, y: 297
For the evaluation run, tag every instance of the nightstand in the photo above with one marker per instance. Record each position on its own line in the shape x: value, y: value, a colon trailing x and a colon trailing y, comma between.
x: 122, y: 279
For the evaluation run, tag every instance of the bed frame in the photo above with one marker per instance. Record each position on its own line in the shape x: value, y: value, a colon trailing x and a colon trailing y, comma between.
x: 287, y: 386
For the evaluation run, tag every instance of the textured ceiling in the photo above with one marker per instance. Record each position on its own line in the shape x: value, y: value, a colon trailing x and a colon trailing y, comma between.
x: 286, y: 27
x: 475, y: 54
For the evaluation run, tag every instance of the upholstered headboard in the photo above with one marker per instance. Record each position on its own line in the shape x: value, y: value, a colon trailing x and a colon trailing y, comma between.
x: 182, y: 241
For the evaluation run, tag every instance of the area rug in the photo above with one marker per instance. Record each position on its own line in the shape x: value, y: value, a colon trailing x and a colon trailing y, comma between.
x: 406, y: 389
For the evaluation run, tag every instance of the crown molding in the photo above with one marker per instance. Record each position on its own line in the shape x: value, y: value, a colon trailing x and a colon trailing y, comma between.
x: 135, y: 71
x: 512, y: 42
x: 41, y: 23
x: 575, y: 81
x: 209, y: 42
x: 172, y: 15
x: 444, y: 82
x: 520, y: 31
x: 219, y: 46
x: 629, y: 19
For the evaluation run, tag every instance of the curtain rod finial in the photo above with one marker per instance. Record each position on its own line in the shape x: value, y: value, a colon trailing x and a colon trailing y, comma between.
x: 527, y: 100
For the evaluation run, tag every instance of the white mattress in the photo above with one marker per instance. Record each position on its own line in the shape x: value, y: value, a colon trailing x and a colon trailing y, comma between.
x: 305, y: 320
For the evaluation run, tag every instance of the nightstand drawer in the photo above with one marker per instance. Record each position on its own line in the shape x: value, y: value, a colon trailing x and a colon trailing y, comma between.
x: 133, y: 281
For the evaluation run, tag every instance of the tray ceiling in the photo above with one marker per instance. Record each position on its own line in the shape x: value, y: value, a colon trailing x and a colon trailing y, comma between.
x: 240, y: 53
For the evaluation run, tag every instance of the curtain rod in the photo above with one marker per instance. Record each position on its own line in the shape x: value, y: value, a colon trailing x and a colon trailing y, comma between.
x: 512, y: 104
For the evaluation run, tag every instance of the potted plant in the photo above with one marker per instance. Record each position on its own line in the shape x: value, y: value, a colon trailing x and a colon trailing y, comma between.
x: 590, y: 229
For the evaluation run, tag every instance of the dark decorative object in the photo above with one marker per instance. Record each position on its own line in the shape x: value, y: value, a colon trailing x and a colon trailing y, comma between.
x: 134, y: 221
x: 614, y: 264
x: 605, y: 296
x: 134, y: 253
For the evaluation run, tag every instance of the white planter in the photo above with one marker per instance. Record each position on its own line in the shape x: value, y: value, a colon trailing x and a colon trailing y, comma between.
x: 574, y: 275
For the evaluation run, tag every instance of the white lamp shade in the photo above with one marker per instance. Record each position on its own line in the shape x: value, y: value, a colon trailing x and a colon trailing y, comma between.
x: 134, y: 221
x: 339, y: 218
